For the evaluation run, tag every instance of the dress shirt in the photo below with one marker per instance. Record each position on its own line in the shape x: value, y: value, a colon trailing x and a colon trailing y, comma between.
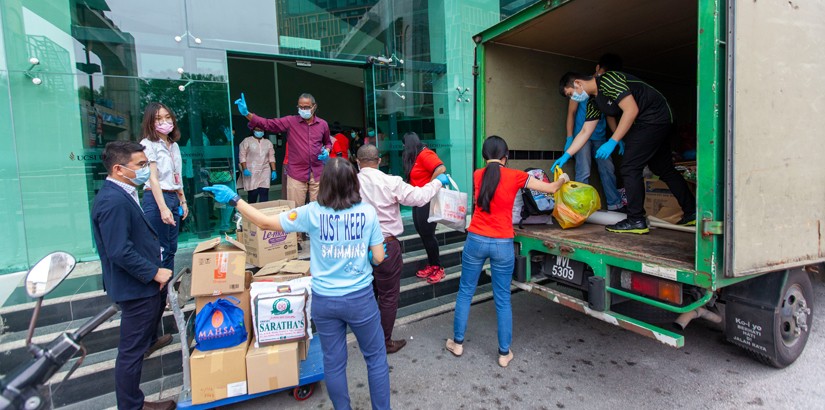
x: 168, y: 161
x: 132, y: 191
x: 385, y: 192
x: 305, y: 143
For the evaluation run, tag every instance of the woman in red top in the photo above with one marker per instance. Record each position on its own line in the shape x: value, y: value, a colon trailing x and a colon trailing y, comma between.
x: 422, y: 165
x: 340, y: 145
x: 491, y: 236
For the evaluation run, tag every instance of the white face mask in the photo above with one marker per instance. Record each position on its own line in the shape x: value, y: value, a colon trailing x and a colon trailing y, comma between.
x: 258, y: 134
x: 305, y: 114
x: 579, y: 97
x: 141, y: 175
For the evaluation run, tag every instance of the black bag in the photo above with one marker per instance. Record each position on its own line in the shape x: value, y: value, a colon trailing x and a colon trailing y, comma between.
x: 533, y: 207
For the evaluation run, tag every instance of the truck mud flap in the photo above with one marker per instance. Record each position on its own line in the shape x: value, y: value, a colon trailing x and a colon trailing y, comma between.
x: 750, y: 313
x: 663, y: 336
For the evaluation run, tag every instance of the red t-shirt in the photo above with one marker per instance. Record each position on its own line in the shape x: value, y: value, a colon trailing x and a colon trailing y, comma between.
x: 422, y: 171
x: 341, y: 145
x: 498, y: 223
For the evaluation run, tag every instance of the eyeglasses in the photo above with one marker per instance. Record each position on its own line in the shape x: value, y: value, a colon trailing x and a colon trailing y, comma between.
x: 306, y: 107
x: 145, y: 164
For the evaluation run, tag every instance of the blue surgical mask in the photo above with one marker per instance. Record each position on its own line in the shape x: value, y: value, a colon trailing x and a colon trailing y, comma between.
x: 258, y: 134
x: 352, y: 134
x: 371, y: 134
x: 141, y: 175
x: 579, y: 97
x: 305, y: 114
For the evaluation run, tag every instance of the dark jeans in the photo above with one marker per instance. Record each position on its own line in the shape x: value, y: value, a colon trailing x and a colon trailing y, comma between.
x: 650, y: 145
x: 387, y: 285
x: 167, y: 234
x: 137, y: 327
x: 258, y: 195
x: 358, y: 310
x: 426, y: 231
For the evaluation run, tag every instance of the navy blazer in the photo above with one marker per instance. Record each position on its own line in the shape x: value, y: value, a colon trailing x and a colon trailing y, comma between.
x: 127, y: 244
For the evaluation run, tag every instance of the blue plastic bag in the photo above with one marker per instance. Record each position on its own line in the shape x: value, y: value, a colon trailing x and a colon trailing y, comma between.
x: 220, y: 325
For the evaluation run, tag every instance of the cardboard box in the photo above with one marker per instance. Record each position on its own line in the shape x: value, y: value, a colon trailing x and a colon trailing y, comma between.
x: 303, y: 349
x: 201, y: 301
x: 660, y: 202
x: 264, y: 246
x: 218, y: 374
x: 272, y: 367
x: 218, y: 267
x: 282, y: 271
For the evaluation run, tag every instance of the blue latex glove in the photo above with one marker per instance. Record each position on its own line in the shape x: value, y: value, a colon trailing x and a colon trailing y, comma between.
x: 247, y: 173
x: 324, y: 155
x: 222, y: 193
x: 621, y: 147
x: 606, y: 149
x: 568, y: 143
x: 241, y: 103
x: 369, y: 255
x: 445, y: 181
x: 274, y: 175
x: 560, y: 162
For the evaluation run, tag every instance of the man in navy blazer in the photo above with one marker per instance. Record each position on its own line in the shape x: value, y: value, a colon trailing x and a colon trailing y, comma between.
x: 131, y: 261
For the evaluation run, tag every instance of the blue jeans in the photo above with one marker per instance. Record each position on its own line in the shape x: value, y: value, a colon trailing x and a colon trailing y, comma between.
x: 167, y: 234
x: 359, y: 310
x: 477, y: 249
x: 607, y: 172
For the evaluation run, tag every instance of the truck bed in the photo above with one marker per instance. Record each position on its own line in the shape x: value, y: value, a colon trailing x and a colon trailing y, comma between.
x: 663, y: 247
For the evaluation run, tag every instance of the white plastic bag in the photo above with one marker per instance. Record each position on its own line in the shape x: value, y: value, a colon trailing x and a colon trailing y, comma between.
x: 449, y: 208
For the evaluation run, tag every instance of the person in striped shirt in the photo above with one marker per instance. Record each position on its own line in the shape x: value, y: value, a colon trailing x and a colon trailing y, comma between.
x: 644, y: 125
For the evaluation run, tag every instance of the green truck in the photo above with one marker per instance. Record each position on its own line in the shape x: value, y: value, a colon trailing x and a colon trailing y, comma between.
x: 741, y: 75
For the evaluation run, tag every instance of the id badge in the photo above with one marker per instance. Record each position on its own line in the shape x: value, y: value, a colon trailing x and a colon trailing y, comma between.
x: 177, y: 178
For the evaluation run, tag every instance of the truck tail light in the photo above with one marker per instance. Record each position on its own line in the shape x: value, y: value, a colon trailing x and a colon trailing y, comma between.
x: 651, y: 286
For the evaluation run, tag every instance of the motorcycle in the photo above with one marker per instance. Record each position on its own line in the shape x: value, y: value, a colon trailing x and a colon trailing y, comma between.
x: 21, y: 388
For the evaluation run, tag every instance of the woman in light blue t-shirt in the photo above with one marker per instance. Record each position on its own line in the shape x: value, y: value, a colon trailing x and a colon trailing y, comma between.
x: 345, y: 239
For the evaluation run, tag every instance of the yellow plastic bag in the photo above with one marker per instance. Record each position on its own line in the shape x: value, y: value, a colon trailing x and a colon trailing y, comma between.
x: 575, y: 202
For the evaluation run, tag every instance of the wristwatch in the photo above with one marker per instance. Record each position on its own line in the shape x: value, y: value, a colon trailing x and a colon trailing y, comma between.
x: 234, y: 201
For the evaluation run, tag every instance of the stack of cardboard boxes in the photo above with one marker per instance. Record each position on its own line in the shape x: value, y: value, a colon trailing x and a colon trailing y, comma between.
x: 219, y: 269
x: 660, y: 202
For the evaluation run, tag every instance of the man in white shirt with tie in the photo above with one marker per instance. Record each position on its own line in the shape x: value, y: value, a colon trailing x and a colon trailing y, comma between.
x: 385, y: 193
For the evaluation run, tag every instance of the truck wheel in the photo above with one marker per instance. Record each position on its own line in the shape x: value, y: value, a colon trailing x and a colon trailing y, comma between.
x: 793, y: 325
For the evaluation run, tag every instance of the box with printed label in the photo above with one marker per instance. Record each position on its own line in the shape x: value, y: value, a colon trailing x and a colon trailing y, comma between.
x: 218, y: 374
x: 265, y: 246
x: 280, y: 317
x: 282, y: 271
x: 218, y: 267
x: 272, y: 367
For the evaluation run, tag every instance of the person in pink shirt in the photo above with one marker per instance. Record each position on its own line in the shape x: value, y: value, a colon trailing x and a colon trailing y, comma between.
x: 309, y: 145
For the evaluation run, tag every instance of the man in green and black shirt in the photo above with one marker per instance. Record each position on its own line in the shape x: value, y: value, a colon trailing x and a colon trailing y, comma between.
x: 644, y: 126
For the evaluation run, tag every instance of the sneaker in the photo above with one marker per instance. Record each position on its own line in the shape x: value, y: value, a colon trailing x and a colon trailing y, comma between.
x: 426, y: 272
x: 503, y: 361
x: 454, y: 348
x: 436, y: 275
x: 626, y: 226
x: 688, y: 220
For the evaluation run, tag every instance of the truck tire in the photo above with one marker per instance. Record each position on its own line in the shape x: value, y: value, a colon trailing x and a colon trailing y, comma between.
x: 796, y: 312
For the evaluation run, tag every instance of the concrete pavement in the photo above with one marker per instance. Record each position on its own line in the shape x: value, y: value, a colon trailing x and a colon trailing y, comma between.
x: 564, y: 360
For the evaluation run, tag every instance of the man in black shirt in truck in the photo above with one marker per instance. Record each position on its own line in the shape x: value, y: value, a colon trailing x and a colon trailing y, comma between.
x: 644, y: 126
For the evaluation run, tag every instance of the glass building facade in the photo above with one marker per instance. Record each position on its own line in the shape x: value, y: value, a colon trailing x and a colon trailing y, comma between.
x: 391, y: 65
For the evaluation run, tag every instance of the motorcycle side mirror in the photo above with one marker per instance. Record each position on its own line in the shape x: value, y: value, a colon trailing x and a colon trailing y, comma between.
x: 45, y: 275
x: 43, y: 278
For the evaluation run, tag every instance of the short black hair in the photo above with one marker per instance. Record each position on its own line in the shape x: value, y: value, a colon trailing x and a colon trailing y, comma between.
x: 119, y: 153
x: 568, y: 78
x: 610, y: 62
x: 339, y: 188
x: 336, y: 128
x: 368, y: 152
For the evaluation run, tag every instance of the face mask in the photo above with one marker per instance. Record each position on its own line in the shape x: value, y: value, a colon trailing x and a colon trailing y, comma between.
x: 352, y: 135
x: 371, y: 134
x: 305, y: 114
x: 164, y: 127
x: 579, y: 97
x: 141, y: 176
x: 258, y: 134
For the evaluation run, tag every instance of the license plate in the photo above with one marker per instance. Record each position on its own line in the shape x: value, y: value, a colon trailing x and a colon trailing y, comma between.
x: 567, y: 270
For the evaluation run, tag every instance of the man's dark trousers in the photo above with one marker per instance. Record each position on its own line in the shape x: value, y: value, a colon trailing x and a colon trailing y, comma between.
x: 650, y: 145
x: 387, y: 284
x: 138, y: 321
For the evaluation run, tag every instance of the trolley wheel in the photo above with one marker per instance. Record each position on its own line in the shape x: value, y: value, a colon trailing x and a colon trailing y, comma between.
x: 302, y: 393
